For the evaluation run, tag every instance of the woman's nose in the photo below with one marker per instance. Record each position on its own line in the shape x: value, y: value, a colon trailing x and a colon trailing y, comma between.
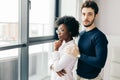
x: 58, y: 32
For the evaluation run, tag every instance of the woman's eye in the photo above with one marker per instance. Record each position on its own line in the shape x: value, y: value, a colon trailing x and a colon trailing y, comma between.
x: 62, y: 30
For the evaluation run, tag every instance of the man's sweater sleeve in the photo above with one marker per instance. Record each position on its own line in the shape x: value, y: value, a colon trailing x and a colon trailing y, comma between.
x: 99, y: 60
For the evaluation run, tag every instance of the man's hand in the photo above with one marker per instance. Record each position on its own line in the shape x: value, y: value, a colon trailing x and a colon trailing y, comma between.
x: 61, y: 73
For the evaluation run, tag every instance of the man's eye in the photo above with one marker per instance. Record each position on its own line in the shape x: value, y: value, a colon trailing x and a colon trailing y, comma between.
x: 90, y: 14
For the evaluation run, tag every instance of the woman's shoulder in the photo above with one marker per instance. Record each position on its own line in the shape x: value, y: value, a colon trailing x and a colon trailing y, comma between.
x: 72, y: 50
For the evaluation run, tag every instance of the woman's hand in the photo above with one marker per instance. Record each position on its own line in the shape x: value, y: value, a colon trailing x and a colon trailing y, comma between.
x: 61, y: 73
x: 57, y: 44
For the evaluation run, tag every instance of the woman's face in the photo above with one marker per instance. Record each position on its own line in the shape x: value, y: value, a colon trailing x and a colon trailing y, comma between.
x: 63, y: 33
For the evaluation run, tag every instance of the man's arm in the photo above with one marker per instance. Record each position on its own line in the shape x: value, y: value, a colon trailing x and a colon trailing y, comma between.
x: 101, y: 53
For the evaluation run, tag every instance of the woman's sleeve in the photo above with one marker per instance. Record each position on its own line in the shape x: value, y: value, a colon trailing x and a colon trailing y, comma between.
x: 64, y: 61
x: 53, y: 57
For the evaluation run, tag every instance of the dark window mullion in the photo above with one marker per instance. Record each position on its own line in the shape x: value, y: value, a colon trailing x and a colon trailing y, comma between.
x: 12, y: 47
x: 23, y: 60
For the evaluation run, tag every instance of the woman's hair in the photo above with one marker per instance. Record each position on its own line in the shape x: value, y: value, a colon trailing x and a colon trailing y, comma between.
x: 71, y: 23
x: 90, y: 4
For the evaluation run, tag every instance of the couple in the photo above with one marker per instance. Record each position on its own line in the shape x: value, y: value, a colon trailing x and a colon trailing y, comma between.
x: 91, y: 51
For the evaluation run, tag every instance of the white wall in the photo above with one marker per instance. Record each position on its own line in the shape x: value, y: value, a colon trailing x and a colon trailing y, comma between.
x: 108, y: 21
x: 109, y: 16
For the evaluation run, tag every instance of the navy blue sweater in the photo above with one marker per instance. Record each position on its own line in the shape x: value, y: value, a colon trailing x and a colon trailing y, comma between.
x: 93, y: 51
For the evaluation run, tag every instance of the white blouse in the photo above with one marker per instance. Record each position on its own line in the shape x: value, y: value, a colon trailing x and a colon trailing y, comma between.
x: 65, y: 58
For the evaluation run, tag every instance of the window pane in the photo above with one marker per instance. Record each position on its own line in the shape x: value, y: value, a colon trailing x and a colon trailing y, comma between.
x: 8, y: 22
x: 41, y: 18
x: 9, y: 64
x: 8, y: 36
x: 38, y: 61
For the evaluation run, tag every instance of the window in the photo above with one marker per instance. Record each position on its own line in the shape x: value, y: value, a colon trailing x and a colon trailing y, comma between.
x: 9, y: 35
x: 38, y: 61
x: 41, y: 18
x: 8, y: 22
x: 41, y: 28
x: 22, y: 30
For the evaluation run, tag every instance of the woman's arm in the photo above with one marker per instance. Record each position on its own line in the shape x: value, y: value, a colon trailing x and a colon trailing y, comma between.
x: 66, y: 59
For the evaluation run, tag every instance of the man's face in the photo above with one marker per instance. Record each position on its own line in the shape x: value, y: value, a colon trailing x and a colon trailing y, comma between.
x: 88, y: 16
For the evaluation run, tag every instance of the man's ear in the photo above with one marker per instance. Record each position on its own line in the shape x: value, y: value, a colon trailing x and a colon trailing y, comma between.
x: 96, y: 16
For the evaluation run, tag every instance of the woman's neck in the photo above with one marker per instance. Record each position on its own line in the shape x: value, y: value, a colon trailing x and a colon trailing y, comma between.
x: 69, y: 39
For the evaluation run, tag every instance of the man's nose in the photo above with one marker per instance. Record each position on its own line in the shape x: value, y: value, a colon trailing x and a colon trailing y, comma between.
x: 85, y: 16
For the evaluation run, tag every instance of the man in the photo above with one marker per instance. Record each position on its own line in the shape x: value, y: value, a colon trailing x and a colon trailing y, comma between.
x: 92, y: 44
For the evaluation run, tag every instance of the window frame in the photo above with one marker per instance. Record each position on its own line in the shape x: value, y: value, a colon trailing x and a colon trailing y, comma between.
x: 25, y: 41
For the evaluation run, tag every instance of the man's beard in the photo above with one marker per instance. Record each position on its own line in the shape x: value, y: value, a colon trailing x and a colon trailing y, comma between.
x: 90, y: 23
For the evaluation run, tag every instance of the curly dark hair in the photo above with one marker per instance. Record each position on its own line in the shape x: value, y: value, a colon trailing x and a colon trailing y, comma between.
x: 71, y: 23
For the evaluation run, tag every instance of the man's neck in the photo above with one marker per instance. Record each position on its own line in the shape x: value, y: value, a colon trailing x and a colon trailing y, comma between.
x: 90, y: 28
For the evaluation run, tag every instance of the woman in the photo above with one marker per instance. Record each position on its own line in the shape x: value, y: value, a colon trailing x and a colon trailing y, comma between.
x: 66, y: 51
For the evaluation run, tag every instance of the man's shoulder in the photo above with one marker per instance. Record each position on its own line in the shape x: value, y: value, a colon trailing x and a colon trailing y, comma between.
x: 99, y: 33
x: 82, y: 32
